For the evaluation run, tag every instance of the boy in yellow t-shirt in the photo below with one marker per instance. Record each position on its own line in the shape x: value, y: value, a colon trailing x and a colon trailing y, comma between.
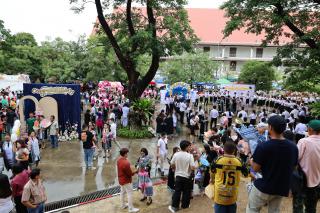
x: 226, y: 175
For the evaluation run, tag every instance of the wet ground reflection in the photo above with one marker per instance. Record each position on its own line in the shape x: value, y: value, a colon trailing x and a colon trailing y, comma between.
x: 64, y: 173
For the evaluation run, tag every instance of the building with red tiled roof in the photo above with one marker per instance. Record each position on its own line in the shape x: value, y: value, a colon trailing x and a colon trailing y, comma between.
x: 233, y: 51
x: 208, y: 25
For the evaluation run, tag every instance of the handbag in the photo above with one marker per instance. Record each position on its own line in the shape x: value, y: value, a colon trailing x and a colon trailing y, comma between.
x: 209, y: 191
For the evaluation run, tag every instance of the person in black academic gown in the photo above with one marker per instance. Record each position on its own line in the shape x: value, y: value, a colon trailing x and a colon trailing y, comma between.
x: 160, y: 122
x: 169, y: 124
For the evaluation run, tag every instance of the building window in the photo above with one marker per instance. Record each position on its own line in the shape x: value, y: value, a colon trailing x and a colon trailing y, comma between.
x: 206, y: 49
x: 233, y: 52
x: 259, y: 53
x: 233, y: 66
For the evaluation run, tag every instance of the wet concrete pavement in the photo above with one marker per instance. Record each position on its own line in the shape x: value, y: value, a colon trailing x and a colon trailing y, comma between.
x: 65, y: 176
x: 162, y: 199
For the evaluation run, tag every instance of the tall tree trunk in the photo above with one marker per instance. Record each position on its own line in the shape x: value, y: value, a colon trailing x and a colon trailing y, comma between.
x: 133, y: 91
x: 136, y: 86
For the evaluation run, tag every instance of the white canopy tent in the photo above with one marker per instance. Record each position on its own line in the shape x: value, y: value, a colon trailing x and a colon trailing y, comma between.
x: 13, y: 82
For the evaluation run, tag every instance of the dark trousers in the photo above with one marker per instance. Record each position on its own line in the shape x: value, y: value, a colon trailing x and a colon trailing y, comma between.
x: 213, y: 121
x: 167, y: 108
x: 297, y: 203
x: 54, y: 141
x: 311, y: 199
x: 206, y: 100
x: 182, y: 186
x: 229, y: 122
x: 225, y: 209
x: 181, y: 117
x: 171, y: 181
x: 20, y: 208
x: 9, y: 128
x: 100, y: 128
x: 196, y: 103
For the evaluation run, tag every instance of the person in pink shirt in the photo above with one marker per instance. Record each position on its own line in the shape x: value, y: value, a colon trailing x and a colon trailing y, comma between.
x: 309, y: 160
x: 21, y: 177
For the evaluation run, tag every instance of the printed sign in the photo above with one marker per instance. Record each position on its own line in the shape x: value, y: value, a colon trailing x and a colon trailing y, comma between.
x: 45, y: 91
x: 239, y: 89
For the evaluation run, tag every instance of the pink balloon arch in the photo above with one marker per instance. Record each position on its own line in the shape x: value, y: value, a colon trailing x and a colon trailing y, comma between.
x: 106, y: 89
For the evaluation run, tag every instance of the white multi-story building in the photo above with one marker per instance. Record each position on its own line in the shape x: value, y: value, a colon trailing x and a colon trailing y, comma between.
x: 232, y: 56
x: 233, y: 51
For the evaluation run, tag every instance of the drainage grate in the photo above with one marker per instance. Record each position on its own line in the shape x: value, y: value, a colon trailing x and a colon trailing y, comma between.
x: 94, y: 196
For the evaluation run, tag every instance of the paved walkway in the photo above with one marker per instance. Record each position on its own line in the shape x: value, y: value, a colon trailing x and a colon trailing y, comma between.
x: 162, y: 199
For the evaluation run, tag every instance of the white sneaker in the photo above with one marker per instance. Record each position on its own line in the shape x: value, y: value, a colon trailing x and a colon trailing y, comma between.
x: 134, y: 210
x: 172, y: 209
x: 124, y: 206
x: 92, y: 168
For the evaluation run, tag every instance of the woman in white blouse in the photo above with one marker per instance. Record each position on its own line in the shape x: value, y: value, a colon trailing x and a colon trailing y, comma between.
x: 300, y: 130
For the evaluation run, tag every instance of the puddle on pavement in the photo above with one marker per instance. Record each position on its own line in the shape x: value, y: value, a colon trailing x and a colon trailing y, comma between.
x: 64, y: 173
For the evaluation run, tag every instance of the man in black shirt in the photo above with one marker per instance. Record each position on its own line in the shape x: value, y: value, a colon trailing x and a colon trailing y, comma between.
x: 88, y: 139
x: 275, y: 159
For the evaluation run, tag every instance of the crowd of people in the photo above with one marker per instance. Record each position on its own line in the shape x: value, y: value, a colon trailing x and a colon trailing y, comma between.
x: 278, y: 159
x: 26, y: 190
x: 282, y: 149
x: 22, y: 191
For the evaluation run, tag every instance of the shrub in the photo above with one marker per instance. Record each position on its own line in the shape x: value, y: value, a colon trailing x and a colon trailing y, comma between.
x: 140, y: 112
x: 315, y: 109
x: 133, y: 133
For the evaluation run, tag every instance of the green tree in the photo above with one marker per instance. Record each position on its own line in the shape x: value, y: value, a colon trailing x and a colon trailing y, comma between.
x: 19, y: 53
x: 189, y: 68
x: 261, y: 74
x: 58, y: 60
x: 100, y: 62
x: 4, y: 33
x: 160, y: 29
x: 295, y: 80
x: 272, y: 17
x: 24, y: 39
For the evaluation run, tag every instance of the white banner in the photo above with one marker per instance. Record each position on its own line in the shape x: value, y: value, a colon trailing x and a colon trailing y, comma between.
x: 14, y: 82
x: 238, y: 89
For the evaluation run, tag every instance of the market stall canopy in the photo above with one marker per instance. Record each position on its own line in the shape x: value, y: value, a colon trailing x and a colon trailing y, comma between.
x: 14, y: 82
